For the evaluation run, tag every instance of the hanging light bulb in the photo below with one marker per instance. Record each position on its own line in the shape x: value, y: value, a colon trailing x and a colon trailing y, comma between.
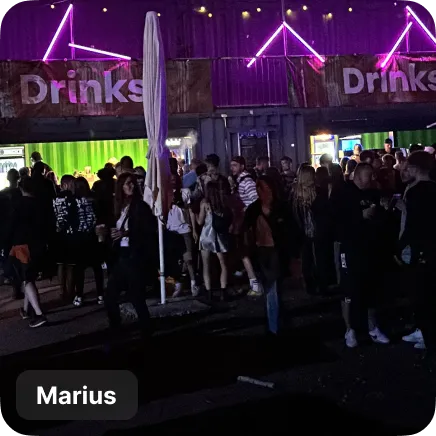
x: 289, y: 12
x: 245, y: 15
x: 305, y: 8
x: 329, y: 15
x: 104, y: 9
x: 158, y: 14
x: 259, y: 10
x: 350, y: 9
x: 52, y: 6
x: 209, y: 15
x: 202, y: 9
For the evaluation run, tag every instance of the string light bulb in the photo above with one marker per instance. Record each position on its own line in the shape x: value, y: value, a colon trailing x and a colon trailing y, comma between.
x: 245, y: 14
x: 209, y: 15
x: 202, y: 9
x: 289, y: 12
x: 104, y: 9
x: 158, y: 14
x: 259, y: 10
x: 52, y: 6
x: 350, y: 9
x: 305, y: 8
x: 330, y: 15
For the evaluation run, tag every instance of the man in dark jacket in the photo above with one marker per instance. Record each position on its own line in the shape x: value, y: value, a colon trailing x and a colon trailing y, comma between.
x: 361, y: 240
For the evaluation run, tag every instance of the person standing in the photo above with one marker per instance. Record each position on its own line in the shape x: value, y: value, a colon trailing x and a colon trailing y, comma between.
x: 388, y: 146
x: 35, y: 158
x: 245, y: 190
x: 361, y: 238
x: 421, y: 208
x: 357, y: 151
x: 311, y: 213
x: 29, y: 244
x: 288, y: 176
x: 126, y: 163
x: 65, y: 237
x: 87, y: 252
x: 135, y: 243
x: 9, y: 198
x: 216, y: 218
x: 268, y: 220
x: 190, y: 178
x: 262, y: 164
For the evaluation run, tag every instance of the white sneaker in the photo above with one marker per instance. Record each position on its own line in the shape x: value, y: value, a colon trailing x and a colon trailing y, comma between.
x: 420, y: 345
x: 195, y: 290
x: 414, y: 337
x: 100, y: 299
x: 178, y: 289
x: 239, y: 273
x: 378, y: 337
x: 77, y: 301
x: 350, y: 339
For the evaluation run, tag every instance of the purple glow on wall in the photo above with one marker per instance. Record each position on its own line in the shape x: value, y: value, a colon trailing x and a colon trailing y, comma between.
x: 423, y: 26
x: 265, y: 46
x: 304, y: 42
x: 56, y: 35
x: 103, y: 52
x: 399, y: 40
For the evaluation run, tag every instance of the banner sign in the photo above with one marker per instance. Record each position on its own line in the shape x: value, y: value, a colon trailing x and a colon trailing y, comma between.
x: 360, y: 81
x: 97, y: 88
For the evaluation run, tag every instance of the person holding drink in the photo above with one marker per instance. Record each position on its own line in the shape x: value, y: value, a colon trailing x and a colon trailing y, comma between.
x: 134, y: 243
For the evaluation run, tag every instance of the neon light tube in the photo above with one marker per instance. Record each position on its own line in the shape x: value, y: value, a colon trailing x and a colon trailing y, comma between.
x: 424, y: 27
x: 265, y: 46
x: 56, y: 35
x: 399, y: 40
x: 94, y: 50
x: 305, y: 43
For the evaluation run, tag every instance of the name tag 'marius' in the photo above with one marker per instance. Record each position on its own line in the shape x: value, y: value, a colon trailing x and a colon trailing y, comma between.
x: 53, y: 396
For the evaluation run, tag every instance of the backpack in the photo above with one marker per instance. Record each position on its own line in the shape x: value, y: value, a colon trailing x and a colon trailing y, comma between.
x: 221, y: 222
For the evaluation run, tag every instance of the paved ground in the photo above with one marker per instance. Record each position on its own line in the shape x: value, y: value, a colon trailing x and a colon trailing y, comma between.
x: 188, y: 374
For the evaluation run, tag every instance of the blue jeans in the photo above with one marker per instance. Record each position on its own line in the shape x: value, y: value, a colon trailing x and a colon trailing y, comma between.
x: 270, y: 276
x: 272, y: 307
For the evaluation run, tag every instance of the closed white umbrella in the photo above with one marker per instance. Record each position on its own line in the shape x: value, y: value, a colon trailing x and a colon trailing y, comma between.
x: 157, y: 191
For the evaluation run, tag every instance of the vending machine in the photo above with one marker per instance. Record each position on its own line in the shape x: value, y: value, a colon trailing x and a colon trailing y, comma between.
x: 10, y: 157
x: 323, y: 144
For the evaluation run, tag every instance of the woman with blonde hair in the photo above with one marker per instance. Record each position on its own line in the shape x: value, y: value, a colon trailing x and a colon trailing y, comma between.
x: 310, y: 211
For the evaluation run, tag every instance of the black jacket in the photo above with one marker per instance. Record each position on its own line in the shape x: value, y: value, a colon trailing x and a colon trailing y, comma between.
x: 143, y: 240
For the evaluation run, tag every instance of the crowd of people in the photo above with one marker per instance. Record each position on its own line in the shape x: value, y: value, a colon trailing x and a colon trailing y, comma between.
x: 348, y: 223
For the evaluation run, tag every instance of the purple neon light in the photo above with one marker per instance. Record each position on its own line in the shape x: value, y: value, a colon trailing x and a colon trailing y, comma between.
x: 424, y: 27
x: 265, y: 46
x: 305, y: 43
x: 399, y: 40
x: 56, y: 35
x: 94, y: 50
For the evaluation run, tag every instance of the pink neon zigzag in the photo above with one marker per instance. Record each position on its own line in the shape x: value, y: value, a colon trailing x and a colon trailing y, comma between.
x: 423, y: 26
x: 81, y: 47
x: 273, y: 37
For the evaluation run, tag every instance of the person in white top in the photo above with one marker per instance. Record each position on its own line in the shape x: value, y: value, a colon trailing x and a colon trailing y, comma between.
x: 180, y: 245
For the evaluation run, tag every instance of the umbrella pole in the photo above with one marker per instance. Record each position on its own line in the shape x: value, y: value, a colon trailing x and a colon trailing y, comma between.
x: 161, y: 264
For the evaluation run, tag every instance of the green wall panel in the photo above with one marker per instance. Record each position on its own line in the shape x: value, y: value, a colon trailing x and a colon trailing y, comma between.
x: 67, y: 157
x: 374, y: 140
x: 424, y: 137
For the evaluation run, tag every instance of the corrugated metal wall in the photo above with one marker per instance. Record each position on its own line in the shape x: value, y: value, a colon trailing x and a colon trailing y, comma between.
x: 265, y: 83
x: 67, y: 157
x: 372, y: 27
x: 424, y: 137
x: 375, y: 140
